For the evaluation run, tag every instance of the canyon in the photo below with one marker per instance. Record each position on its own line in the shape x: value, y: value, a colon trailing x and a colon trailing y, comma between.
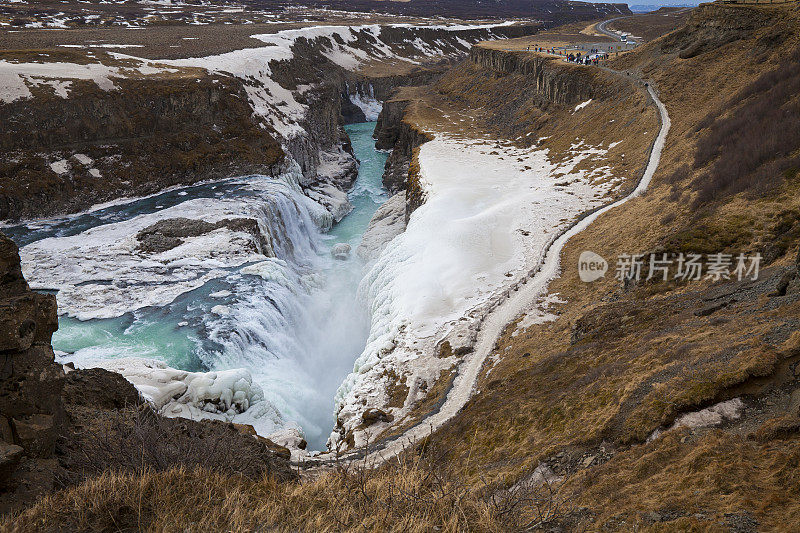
x: 347, y: 255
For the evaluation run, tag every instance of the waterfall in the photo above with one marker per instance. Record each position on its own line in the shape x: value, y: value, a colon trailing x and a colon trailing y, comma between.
x: 248, y: 297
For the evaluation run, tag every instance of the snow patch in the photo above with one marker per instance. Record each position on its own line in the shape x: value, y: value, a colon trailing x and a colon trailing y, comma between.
x: 60, y: 167
x: 538, y: 314
x: 16, y: 77
x: 83, y: 159
x: 712, y: 416
x: 583, y: 104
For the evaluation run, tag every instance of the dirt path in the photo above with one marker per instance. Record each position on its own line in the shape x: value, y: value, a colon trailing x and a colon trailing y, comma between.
x: 497, y: 320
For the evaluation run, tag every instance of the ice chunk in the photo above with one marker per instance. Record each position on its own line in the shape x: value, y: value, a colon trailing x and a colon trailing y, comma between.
x: 228, y: 395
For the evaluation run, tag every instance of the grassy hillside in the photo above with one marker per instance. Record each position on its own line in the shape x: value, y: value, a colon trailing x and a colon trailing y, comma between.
x: 583, y: 393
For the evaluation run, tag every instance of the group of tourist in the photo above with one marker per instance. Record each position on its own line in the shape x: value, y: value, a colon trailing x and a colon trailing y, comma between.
x: 592, y: 57
x: 580, y: 59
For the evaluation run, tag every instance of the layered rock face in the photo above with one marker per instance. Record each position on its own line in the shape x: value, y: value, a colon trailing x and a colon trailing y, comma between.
x: 551, y: 80
x: 63, y: 155
x: 395, y: 134
x: 31, y: 411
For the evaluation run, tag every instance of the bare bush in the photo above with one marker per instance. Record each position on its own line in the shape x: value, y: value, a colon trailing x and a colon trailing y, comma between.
x: 137, y: 439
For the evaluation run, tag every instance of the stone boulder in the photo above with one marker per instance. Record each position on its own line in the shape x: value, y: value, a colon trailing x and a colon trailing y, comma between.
x: 99, y: 388
x: 340, y: 251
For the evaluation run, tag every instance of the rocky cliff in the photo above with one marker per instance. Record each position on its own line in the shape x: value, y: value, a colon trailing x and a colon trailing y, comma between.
x: 31, y: 410
x: 394, y: 133
x: 549, y: 78
x: 65, y: 154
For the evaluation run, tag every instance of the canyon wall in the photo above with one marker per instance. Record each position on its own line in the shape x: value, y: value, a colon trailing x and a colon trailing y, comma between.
x: 31, y: 410
x: 65, y: 154
x: 70, y: 142
x: 394, y: 133
x: 550, y: 79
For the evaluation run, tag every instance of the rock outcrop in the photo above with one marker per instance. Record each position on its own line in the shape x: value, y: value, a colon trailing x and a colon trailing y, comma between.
x: 395, y: 133
x: 108, y: 427
x: 167, y: 234
x: 388, y: 222
x: 31, y: 410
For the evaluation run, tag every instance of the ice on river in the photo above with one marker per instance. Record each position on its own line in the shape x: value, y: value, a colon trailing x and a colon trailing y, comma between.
x: 103, y: 272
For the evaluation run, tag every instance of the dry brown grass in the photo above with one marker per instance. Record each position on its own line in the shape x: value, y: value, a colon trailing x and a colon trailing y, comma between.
x: 650, y: 26
x: 713, y: 484
x: 414, y: 494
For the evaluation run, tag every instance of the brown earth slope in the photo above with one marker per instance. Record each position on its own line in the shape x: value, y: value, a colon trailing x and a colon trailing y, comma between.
x: 581, y: 394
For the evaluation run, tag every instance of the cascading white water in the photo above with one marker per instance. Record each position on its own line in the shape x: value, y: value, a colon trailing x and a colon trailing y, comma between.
x: 217, y: 301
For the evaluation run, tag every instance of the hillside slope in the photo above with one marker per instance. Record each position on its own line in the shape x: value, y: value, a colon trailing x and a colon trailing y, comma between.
x: 588, y: 395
